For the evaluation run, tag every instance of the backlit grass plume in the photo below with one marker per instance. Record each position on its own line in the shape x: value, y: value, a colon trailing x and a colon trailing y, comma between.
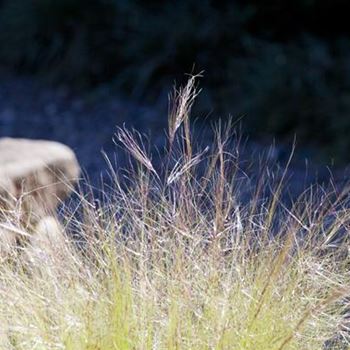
x: 199, y: 255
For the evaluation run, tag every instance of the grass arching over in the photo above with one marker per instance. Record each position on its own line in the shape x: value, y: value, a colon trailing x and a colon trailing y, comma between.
x: 175, y: 260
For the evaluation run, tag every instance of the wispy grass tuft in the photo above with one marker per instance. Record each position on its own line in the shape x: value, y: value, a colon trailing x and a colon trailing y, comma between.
x: 184, y: 259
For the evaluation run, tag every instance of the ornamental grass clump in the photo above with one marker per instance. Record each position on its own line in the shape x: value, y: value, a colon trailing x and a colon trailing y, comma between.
x: 196, y: 254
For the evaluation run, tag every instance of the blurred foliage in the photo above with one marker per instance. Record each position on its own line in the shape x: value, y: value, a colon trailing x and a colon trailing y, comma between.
x: 274, y: 61
x: 70, y: 39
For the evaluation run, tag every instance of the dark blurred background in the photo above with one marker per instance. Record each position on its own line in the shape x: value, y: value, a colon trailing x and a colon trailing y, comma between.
x: 283, y: 66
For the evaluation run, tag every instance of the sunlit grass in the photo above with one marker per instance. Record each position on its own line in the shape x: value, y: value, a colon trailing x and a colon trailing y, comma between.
x: 178, y: 260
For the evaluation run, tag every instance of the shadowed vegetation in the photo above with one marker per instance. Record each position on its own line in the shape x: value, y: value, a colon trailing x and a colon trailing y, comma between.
x: 277, y: 63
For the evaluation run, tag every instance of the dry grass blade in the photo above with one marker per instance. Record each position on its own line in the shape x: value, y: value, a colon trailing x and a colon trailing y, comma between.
x: 182, y: 168
x: 180, y: 105
x: 127, y: 139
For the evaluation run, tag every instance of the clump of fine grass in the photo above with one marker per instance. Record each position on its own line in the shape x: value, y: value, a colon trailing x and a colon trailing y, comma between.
x: 195, y: 256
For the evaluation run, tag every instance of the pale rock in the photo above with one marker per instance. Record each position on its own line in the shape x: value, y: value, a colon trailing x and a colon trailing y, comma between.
x: 35, y: 176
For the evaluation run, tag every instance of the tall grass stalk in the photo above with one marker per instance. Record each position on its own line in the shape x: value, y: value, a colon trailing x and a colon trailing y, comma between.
x: 184, y: 259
